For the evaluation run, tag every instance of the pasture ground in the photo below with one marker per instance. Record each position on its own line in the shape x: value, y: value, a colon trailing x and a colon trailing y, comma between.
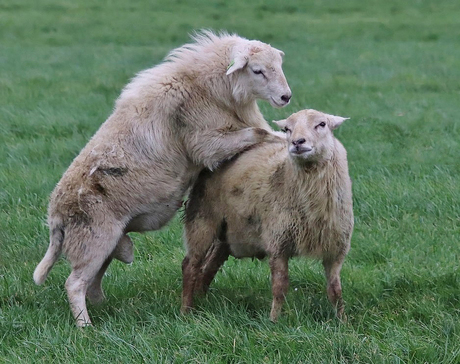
x: 393, y: 67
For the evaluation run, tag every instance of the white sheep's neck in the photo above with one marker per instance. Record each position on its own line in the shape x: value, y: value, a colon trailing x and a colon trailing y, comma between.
x: 195, y: 70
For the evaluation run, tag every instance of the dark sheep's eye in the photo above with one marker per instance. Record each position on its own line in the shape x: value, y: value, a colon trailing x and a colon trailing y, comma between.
x: 322, y: 124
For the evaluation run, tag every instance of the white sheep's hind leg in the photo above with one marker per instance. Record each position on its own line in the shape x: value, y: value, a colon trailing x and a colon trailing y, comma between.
x: 77, y: 286
x: 95, y: 293
x: 76, y: 290
x: 124, y: 253
x: 87, y: 261
x: 332, y: 269
x: 280, y: 284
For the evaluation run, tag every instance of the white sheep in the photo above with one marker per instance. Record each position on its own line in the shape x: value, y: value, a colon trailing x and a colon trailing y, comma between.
x: 193, y: 111
x: 278, y: 200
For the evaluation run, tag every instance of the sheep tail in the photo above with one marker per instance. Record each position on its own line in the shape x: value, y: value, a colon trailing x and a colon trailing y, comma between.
x: 52, y: 254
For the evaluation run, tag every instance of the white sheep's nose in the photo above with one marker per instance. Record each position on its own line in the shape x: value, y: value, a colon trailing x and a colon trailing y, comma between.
x: 286, y: 98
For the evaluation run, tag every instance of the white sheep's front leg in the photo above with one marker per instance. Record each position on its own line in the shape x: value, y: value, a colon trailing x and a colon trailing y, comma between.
x: 280, y: 284
x: 211, y: 147
x: 280, y: 134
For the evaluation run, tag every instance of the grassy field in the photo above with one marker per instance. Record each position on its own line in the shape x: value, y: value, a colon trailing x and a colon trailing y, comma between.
x: 393, y: 67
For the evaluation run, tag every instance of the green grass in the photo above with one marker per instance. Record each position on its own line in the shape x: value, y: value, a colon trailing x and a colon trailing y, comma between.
x: 392, y: 66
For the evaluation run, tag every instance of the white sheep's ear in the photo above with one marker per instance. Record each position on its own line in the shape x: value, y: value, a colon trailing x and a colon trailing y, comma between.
x: 336, y: 121
x: 281, y: 52
x: 237, y: 64
x: 281, y: 124
x: 239, y: 61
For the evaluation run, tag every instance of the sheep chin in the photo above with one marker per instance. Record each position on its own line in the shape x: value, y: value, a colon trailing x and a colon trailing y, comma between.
x: 307, y: 155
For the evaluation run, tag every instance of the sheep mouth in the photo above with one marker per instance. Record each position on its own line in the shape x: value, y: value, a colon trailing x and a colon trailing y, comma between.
x: 301, y: 152
x: 277, y: 104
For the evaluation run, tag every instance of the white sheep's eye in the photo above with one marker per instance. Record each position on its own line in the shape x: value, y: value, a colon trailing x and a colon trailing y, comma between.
x: 287, y: 130
x: 258, y: 72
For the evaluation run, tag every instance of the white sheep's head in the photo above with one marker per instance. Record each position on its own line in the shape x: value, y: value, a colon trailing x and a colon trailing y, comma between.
x: 256, y: 72
x: 309, y: 135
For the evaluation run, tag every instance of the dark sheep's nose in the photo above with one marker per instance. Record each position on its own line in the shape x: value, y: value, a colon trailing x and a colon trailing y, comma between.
x: 286, y: 98
x: 299, y: 141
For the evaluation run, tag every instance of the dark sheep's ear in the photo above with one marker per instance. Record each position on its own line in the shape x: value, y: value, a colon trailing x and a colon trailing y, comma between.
x: 281, y: 123
x: 335, y: 121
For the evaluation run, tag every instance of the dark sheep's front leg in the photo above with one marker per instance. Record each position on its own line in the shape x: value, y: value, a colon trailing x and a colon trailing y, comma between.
x: 280, y: 284
x: 215, y: 258
x: 334, y: 288
x: 189, y: 275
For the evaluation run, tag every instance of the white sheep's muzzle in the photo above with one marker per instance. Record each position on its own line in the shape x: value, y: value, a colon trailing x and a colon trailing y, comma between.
x: 280, y: 102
